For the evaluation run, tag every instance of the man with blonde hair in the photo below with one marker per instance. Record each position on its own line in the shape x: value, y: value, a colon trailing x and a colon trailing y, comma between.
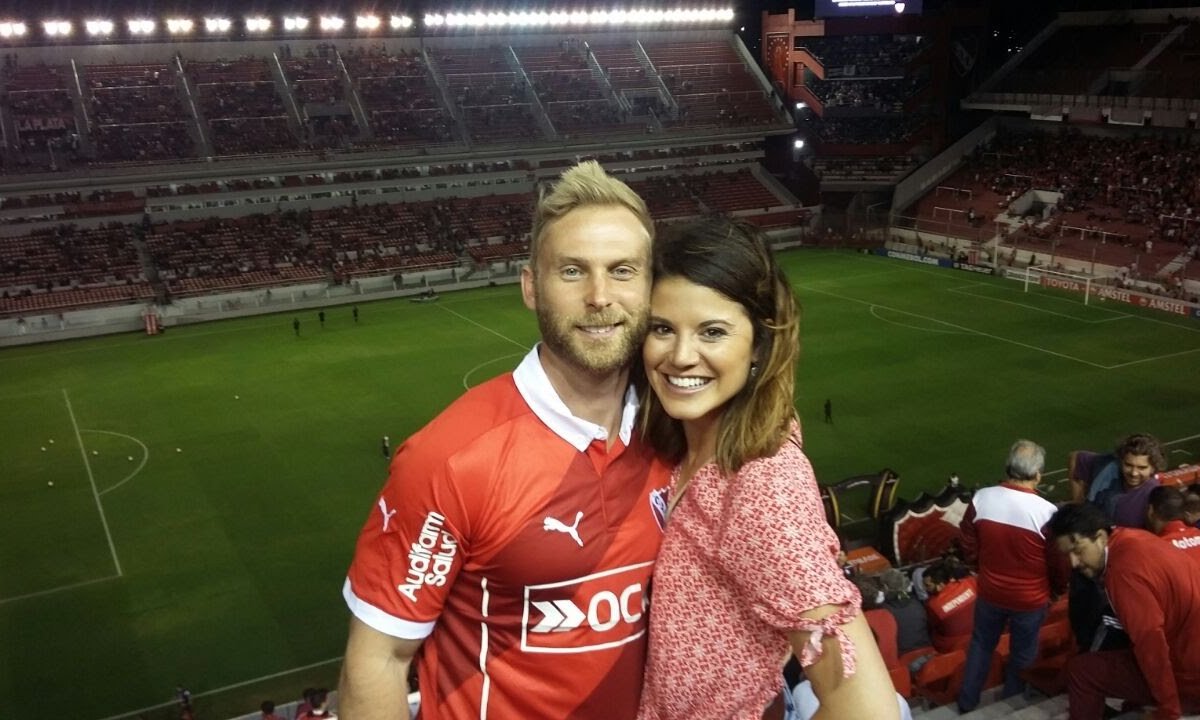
x: 513, y: 542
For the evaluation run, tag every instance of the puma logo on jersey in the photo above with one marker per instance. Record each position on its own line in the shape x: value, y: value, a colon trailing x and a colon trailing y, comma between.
x: 551, y: 524
x: 387, y: 514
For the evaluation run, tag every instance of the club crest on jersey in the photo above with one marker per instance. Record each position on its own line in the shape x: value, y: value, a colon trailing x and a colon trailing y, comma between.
x: 430, y: 557
x: 658, y: 505
x: 595, y: 612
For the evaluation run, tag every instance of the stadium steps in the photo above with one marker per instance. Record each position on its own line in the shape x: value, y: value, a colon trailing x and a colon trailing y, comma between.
x: 1032, y: 706
x: 992, y: 707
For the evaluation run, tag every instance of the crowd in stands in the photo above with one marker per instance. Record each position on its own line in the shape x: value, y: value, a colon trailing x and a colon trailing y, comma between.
x: 289, y: 247
x: 1010, y: 564
x: 877, y: 95
x: 868, y: 168
x: 889, y: 130
x: 142, y: 143
x: 865, y: 52
x: 134, y: 111
x: 1130, y: 201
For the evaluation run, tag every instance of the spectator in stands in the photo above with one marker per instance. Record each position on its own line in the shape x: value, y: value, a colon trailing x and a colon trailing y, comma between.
x: 912, y: 629
x: 950, y: 609
x: 1191, y: 506
x: 319, y: 707
x: 748, y: 565
x: 1155, y: 591
x: 1120, y: 483
x: 268, y: 711
x: 1164, y: 517
x: 1020, y: 570
x: 462, y: 505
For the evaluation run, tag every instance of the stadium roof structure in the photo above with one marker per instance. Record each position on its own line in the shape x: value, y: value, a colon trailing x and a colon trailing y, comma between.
x: 47, y: 28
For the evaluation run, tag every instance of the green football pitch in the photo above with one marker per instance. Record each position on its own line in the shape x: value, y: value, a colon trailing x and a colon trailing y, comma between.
x: 181, y: 509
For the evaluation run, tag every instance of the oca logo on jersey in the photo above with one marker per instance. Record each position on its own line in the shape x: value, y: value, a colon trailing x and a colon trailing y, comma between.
x: 587, y: 614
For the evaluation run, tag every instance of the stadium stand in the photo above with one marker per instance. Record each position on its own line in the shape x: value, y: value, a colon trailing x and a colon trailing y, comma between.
x: 242, y: 106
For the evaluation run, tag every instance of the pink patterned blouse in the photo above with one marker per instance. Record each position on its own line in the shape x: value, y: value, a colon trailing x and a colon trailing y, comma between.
x: 741, y: 560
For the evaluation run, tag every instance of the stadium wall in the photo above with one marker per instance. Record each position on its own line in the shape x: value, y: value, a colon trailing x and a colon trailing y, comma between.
x: 911, y: 188
x: 112, y: 319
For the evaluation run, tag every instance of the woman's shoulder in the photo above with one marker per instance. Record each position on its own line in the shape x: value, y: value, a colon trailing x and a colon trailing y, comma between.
x: 788, y: 461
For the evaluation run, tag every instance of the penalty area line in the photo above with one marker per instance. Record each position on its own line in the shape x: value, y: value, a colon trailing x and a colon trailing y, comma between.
x: 112, y: 546
x: 60, y: 588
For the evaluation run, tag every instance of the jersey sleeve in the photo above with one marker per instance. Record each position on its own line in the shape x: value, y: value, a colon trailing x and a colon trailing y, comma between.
x: 782, y: 555
x: 411, y: 548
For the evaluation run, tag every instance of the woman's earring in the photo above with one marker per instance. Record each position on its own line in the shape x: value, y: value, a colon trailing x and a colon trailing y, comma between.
x: 753, y: 369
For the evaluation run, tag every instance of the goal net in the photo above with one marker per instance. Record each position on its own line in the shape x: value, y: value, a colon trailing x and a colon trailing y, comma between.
x: 1055, y: 280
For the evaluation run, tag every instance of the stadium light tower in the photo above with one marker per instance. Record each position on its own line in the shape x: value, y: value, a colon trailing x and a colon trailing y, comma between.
x: 401, y: 22
x: 332, y: 23
x: 180, y: 26
x: 295, y: 23
x: 367, y: 23
x: 57, y: 28
x: 98, y: 28
x: 10, y: 30
x: 140, y: 26
x: 258, y: 24
x: 217, y: 25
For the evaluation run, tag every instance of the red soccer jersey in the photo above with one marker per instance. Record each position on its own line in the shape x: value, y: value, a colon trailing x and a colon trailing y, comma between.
x: 952, y: 614
x: 521, y: 548
x: 1183, y: 537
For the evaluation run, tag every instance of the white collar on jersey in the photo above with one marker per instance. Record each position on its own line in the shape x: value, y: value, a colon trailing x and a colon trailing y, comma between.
x: 534, y: 385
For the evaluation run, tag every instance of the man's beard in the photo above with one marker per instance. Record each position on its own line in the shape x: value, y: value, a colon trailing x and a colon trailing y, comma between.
x: 599, y: 356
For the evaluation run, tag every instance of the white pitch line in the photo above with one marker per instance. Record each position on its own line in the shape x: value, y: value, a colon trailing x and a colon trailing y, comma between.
x: 876, y: 315
x: 60, y: 588
x: 92, y: 479
x: 138, y: 469
x: 467, y: 375
x: 484, y: 327
x: 1035, y: 308
x: 963, y: 328
x: 234, y: 686
x: 1152, y: 359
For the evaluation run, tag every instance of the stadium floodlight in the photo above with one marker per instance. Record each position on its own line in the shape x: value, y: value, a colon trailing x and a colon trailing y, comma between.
x: 98, y: 27
x: 798, y: 144
x: 12, y: 29
x: 258, y: 24
x: 216, y: 25
x: 401, y: 22
x: 179, y: 26
x: 293, y: 23
x: 332, y: 22
x: 367, y: 22
x: 435, y: 20
x: 57, y: 28
x: 140, y: 26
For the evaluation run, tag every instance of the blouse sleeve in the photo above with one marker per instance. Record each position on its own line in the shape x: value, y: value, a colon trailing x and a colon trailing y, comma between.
x: 781, y: 555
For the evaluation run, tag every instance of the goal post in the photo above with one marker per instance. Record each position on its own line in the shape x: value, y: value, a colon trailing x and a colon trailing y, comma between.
x: 1058, y: 280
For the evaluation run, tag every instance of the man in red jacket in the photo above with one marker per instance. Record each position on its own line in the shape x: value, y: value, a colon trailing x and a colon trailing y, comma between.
x: 1155, y: 591
x: 1164, y: 518
x: 1019, y: 571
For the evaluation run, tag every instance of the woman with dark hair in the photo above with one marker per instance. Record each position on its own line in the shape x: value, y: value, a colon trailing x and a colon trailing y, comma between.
x: 748, y: 570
